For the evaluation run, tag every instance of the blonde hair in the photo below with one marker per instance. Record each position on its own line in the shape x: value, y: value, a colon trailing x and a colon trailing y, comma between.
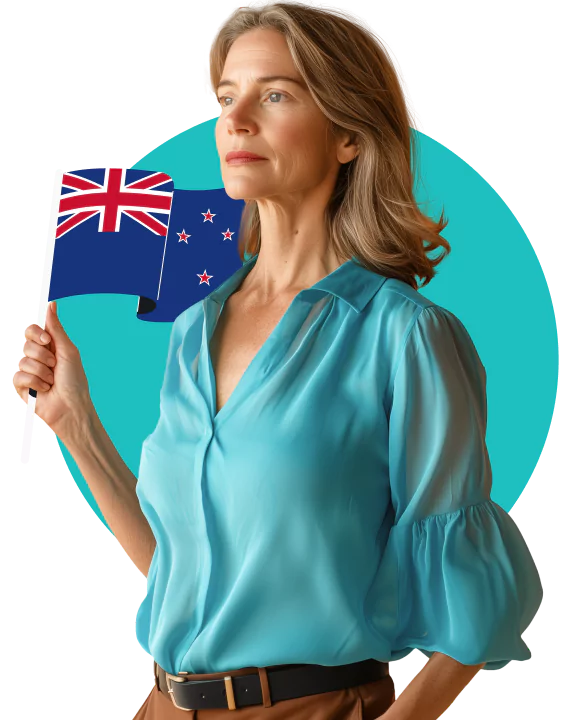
x: 372, y: 214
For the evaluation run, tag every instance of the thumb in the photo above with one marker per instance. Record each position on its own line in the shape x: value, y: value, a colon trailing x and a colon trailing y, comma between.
x: 53, y: 324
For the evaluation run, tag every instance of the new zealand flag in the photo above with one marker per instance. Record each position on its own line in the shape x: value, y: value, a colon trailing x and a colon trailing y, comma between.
x: 130, y: 232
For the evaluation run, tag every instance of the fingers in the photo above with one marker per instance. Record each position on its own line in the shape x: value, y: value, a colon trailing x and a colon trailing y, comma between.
x: 24, y: 380
x: 22, y: 393
x: 40, y: 353
x: 37, y: 334
x: 34, y: 367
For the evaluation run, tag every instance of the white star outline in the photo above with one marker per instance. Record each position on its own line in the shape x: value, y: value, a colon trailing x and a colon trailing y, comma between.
x: 208, y: 215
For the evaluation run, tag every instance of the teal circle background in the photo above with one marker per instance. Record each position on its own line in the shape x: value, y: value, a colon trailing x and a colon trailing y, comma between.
x: 492, y: 281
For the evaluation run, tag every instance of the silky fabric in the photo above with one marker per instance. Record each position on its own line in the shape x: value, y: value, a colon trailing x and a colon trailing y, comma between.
x: 361, y: 702
x: 337, y: 507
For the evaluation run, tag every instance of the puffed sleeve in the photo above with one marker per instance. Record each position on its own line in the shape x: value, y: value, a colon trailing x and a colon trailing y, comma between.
x: 467, y: 584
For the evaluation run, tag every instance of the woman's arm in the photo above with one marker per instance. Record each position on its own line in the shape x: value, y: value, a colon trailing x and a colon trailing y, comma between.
x: 433, y: 690
x: 112, y: 484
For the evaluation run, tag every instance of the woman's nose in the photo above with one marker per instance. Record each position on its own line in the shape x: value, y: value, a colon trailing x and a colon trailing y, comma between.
x: 241, y: 117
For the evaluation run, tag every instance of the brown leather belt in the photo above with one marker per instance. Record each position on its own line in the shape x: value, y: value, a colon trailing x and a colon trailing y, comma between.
x: 263, y: 686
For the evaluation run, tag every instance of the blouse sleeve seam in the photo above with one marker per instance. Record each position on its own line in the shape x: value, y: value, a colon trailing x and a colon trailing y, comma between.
x: 486, y: 501
x: 408, y: 332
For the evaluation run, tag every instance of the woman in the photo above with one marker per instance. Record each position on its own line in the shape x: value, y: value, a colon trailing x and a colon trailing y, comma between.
x: 314, y: 501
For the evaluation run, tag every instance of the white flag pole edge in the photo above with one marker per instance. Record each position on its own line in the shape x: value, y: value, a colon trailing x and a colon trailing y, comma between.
x: 46, y: 245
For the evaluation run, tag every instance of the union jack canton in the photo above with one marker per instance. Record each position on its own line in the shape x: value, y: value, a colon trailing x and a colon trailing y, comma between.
x: 138, y: 199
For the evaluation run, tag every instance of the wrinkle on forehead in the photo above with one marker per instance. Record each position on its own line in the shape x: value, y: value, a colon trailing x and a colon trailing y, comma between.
x: 261, y: 50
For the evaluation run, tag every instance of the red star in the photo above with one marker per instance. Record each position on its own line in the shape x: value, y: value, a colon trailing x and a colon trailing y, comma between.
x: 183, y: 236
x: 227, y: 235
x: 204, y: 278
x: 208, y: 215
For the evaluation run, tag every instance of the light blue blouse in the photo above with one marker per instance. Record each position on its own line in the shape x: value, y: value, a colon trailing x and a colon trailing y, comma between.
x: 337, y: 507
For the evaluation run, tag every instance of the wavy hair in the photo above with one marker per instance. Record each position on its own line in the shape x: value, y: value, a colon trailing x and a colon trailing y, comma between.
x: 372, y: 214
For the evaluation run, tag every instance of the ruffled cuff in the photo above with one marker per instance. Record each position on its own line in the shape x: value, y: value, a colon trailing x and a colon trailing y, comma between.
x: 467, y: 586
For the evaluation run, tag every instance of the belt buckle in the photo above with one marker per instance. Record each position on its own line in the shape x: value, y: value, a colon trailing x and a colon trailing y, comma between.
x: 228, y: 688
x: 175, y: 678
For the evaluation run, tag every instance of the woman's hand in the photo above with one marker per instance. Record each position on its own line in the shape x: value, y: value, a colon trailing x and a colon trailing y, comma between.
x: 52, y: 365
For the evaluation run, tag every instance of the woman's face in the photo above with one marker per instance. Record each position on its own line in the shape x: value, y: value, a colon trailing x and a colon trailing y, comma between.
x: 277, y: 119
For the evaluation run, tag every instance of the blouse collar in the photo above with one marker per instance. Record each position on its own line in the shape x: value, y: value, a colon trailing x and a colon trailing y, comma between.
x: 351, y: 282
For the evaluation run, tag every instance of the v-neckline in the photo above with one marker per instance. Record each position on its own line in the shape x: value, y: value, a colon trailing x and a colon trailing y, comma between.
x: 218, y: 414
x: 212, y: 318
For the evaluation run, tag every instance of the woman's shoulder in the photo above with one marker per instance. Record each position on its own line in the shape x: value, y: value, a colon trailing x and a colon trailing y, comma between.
x: 403, y: 305
x: 397, y: 305
x: 411, y: 318
x: 398, y: 311
x: 399, y: 293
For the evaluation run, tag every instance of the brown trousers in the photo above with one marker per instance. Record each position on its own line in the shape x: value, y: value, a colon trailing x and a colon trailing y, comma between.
x: 362, y: 702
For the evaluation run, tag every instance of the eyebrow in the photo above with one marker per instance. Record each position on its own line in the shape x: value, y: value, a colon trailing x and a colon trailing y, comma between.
x: 264, y: 79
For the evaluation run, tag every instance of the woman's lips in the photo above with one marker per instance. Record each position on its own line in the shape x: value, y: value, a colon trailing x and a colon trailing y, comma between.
x: 243, y: 160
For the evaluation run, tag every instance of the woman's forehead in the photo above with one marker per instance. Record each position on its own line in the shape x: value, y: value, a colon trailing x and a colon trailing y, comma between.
x: 262, y: 45
x: 261, y: 36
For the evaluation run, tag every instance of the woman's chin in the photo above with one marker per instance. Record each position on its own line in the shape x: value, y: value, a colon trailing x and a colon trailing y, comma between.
x: 243, y: 191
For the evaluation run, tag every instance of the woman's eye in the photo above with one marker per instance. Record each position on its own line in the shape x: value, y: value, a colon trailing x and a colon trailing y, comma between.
x: 227, y: 97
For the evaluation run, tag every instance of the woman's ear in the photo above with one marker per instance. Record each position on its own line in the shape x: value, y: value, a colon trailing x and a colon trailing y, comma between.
x: 347, y: 148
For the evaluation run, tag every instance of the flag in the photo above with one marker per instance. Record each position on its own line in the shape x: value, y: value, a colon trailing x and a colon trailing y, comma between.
x: 131, y: 232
